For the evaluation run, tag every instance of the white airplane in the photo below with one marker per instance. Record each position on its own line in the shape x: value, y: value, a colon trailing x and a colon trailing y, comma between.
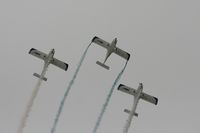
x: 48, y: 59
x: 111, y: 47
x: 138, y: 94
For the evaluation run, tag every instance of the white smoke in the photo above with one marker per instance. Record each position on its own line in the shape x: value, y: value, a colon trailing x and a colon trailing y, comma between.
x: 31, y: 101
x: 107, y: 100
x: 128, y: 121
x: 68, y: 90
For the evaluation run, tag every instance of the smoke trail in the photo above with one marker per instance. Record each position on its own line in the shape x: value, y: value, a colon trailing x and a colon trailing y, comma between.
x: 31, y: 101
x: 107, y: 100
x: 128, y: 121
x: 67, y: 91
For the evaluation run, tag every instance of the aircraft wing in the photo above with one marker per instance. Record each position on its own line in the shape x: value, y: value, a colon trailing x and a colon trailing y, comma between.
x: 38, y: 54
x: 60, y: 64
x: 127, y: 89
x: 133, y: 92
x: 122, y: 53
x: 149, y: 98
x: 101, y: 42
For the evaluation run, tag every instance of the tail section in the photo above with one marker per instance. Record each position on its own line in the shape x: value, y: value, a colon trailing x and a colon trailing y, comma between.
x: 39, y: 76
x: 103, y: 65
x: 128, y: 111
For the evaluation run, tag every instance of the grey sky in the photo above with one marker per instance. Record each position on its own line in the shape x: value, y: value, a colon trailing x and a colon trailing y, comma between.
x: 161, y: 36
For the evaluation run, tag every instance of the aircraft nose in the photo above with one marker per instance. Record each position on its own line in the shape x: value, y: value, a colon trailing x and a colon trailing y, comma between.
x: 141, y: 85
x: 115, y: 40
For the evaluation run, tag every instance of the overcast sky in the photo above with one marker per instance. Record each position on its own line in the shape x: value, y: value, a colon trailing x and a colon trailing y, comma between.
x: 162, y: 36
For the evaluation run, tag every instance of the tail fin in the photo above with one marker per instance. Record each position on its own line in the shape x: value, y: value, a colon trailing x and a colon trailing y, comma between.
x: 103, y: 65
x: 39, y: 76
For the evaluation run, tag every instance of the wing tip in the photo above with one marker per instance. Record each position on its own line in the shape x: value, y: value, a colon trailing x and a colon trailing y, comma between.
x: 128, y: 56
x: 156, y: 100
x: 120, y: 86
x: 31, y: 50
x: 66, y: 66
x: 94, y: 38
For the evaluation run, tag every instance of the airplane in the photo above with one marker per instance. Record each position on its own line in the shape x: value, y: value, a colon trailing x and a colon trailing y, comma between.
x: 138, y: 94
x: 111, y: 48
x: 48, y: 59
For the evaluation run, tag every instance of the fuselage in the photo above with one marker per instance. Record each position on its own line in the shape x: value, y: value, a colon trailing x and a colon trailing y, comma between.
x: 49, y: 57
x: 136, y: 99
x: 111, y: 49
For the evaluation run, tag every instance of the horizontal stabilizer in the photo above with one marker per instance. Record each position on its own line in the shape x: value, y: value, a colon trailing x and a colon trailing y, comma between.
x: 103, y: 65
x: 39, y: 76
x: 129, y: 112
